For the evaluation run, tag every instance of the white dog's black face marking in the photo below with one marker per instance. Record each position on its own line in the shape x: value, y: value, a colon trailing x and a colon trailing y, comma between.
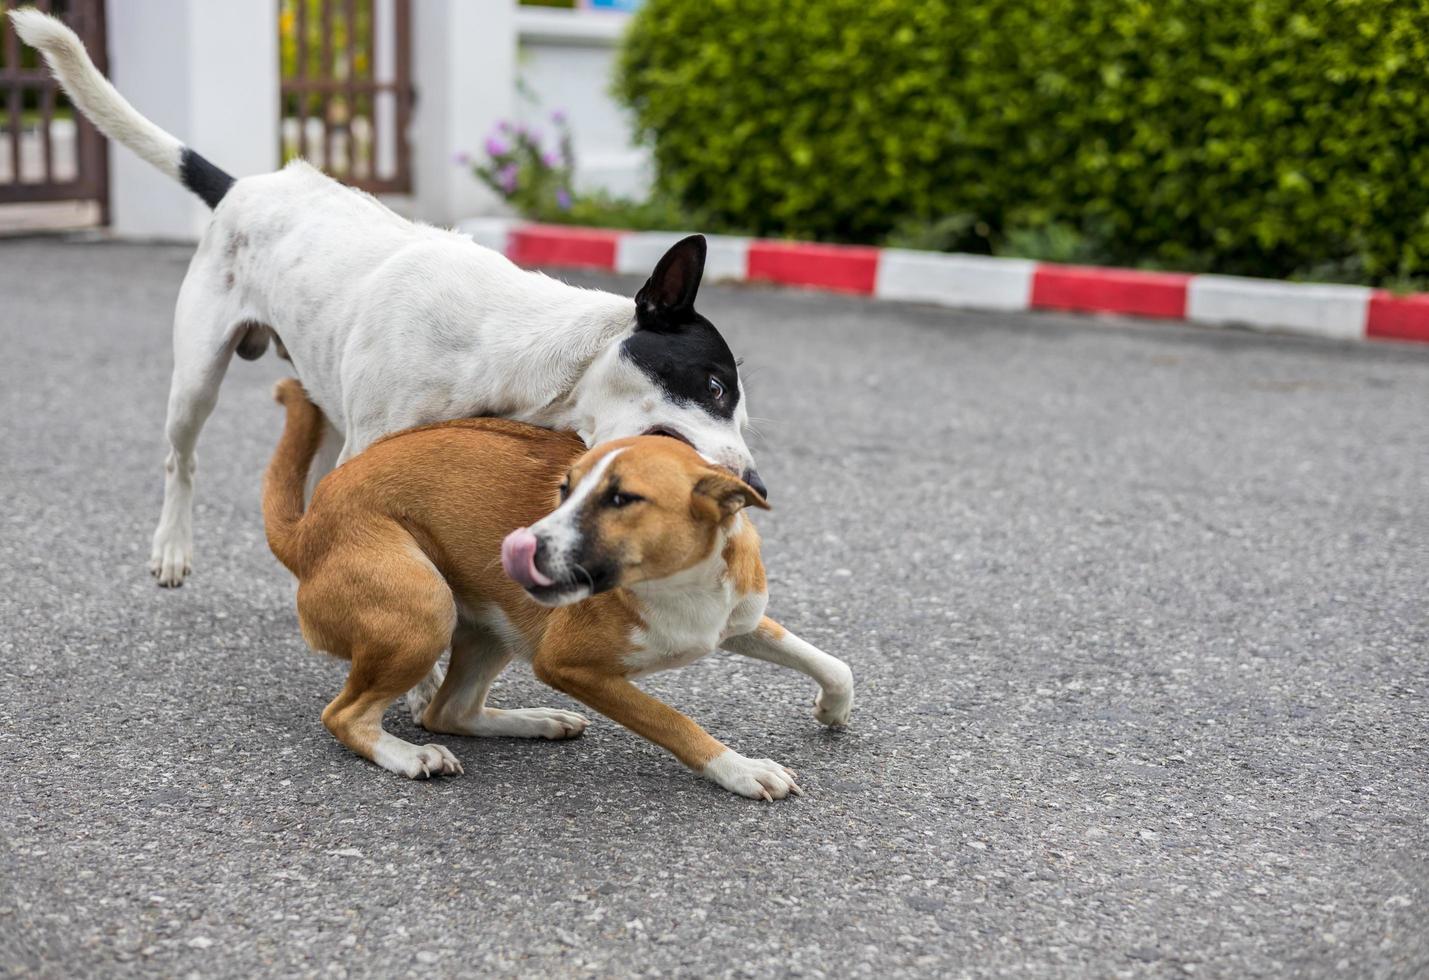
x: 685, y: 356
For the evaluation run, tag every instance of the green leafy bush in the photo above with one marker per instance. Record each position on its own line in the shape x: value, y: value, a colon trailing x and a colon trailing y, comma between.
x: 1251, y: 136
x: 951, y: 233
x: 602, y: 210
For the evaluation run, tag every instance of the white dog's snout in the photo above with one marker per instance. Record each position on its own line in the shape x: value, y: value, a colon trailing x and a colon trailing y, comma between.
x: 732, y: 458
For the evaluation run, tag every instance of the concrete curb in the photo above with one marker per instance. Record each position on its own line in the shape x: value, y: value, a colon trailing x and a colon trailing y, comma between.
x: 981, y: 282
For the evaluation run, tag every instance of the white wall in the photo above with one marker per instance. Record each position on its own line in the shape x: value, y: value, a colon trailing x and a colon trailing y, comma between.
x: 567, y: 62
x: 463, y: 68
x: 208, y: 73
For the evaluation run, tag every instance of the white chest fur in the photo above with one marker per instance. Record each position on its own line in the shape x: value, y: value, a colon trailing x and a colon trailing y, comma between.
x: 689, y: 614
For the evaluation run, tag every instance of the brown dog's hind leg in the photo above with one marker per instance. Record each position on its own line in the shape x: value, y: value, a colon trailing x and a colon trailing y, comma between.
x: 355, y: 718
x: 390, y: 612
x: 459, y: 707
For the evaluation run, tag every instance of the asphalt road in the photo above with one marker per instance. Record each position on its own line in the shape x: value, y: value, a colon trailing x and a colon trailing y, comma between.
x: 1136, y: 613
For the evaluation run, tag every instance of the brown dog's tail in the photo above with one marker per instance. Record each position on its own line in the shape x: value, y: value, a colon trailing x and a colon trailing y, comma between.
x: 287, y: 475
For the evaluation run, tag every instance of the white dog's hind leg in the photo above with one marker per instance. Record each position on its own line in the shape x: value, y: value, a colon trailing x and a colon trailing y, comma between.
x: 201, y: 359
x: 357, y: 439
x: 329, y: 451
x: 191, y: 399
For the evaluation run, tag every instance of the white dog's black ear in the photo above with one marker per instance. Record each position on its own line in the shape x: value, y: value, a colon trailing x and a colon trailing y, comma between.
x: 671, y: 288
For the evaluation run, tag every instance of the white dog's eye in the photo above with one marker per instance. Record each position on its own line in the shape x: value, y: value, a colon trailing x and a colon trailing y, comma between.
x: 716, y: 388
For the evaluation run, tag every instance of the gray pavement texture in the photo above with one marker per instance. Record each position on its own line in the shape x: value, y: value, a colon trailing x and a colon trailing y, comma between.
x: 1137, y: 616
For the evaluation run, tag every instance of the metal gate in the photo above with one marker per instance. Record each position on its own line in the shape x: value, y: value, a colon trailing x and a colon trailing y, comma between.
x: 346, y: 89
x: 48, y: 151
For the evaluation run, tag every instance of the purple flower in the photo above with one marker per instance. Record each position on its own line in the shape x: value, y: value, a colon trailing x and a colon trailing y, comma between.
x: 552, y: 160
x: 496, y: 147
x: 461, y: 158
x: 504, y: 126
x: 559, y: 117
x: 508, y: 177
x: 563, y: 199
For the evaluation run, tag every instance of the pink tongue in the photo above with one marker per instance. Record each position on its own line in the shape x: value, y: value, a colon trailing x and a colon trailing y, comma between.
x: 518, y: 559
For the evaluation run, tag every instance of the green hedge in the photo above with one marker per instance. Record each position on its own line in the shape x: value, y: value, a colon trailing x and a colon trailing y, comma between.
x: 1267, y: 137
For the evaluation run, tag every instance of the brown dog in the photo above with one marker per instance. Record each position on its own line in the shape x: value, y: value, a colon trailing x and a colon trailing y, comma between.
x: 630, y: 558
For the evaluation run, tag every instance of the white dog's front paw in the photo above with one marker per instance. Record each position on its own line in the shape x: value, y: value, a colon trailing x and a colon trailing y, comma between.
x: 832, y: 706
x: 171, y: 560
x: 758, y: 779
x: 436, y: 760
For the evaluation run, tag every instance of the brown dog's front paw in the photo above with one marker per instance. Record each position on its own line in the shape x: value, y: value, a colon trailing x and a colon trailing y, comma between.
x: 415, y: 761
x: 832, y: 708
x: 758, y: 779
x: 437, y: 760
x: 835, y: 699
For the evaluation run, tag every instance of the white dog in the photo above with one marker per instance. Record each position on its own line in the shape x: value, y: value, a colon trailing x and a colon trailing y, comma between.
x: 391, y: 324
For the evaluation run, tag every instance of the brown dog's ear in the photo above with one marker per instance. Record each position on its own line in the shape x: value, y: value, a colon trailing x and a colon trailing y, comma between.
x: 728, y: 493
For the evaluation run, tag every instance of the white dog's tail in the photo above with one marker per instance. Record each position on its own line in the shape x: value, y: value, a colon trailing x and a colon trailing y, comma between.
x: 108, y: 110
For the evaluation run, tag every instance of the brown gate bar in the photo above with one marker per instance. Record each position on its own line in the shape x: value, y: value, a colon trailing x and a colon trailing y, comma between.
x: 31, y: 168
x: 332, y: 83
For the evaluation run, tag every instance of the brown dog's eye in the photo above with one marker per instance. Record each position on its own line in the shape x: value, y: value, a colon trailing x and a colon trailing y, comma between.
x: 565, y: 488
x: 619, y: 499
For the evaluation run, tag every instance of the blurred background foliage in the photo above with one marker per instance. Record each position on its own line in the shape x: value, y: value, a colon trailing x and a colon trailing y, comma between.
x: 1261, y: 137
x: 336, y: 29
x: 338, y: 46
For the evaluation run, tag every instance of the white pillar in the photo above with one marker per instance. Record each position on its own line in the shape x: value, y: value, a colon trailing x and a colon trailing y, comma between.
x: 206, y: 72
x: 464, y: 69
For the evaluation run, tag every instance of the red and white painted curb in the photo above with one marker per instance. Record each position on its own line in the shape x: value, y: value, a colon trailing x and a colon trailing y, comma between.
x: 981, y: 282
